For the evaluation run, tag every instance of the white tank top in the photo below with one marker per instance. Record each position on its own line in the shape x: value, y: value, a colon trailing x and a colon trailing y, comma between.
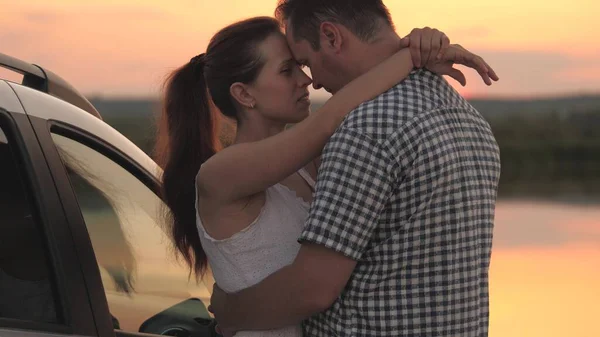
x: 265, y: 246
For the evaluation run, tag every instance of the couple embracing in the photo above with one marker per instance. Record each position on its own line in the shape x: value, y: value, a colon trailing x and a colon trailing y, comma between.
x: 372, y: 216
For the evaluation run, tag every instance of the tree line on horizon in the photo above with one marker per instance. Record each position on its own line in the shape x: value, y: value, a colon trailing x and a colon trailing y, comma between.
x: 552, y: 150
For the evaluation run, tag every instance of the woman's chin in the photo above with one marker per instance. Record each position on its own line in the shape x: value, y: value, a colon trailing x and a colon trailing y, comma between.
x: 305, y: 112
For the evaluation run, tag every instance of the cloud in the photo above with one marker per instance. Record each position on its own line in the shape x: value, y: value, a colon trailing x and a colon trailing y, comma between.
x: 40, y: 17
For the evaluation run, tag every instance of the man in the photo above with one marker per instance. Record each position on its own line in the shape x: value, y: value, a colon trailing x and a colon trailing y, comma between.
x: 399, y: 235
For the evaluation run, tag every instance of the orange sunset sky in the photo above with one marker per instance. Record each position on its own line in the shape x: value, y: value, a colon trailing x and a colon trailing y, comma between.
x: 545, y: 273
x: 124, y: 48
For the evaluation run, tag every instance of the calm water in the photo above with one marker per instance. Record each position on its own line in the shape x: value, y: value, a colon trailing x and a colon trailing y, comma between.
x: 545, y: 272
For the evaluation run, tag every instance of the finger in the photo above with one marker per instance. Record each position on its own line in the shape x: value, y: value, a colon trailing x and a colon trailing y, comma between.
x: 405, y: 42
x: 482, y: 69
x: 415, y: 48
x: 436, y: 45
x: 218, y: 329
x: 491, y: 72
x: 479, y: 63
x: 458, y: 75
x: 454, y: 55
x: 445, y: 46
x: 426, y: 39
x: 484, y: 76
x: 472, y: 61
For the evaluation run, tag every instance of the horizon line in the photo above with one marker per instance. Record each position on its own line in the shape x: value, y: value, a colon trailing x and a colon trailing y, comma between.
x: 499, y: 97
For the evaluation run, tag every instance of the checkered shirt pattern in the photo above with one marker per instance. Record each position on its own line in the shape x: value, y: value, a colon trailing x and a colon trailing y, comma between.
x: 407, y: 188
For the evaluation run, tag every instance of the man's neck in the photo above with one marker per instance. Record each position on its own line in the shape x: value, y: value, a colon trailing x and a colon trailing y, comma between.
x: 368, y: 55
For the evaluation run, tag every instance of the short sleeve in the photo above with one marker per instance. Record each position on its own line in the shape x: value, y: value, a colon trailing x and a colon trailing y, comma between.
x: 353, y: 186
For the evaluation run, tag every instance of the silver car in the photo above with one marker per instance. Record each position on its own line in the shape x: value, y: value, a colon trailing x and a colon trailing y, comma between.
x: 83, y: 246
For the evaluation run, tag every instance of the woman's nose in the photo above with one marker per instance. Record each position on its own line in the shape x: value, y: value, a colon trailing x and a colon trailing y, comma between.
x: 305, y: 81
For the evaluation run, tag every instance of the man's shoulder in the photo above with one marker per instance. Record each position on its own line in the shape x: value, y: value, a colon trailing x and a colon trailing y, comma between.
x: 420, y: 92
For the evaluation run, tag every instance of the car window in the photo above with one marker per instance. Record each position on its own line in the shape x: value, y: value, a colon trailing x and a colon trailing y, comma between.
x: 139, y: 269
x: 27, y: 287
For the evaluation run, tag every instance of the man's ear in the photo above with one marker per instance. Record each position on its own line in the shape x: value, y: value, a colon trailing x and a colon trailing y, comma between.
x: 240, y: 93
x: 331, y: 36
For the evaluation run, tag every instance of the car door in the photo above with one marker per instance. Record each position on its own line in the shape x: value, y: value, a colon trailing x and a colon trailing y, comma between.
x: 42, y: 292
x: 114, y: 202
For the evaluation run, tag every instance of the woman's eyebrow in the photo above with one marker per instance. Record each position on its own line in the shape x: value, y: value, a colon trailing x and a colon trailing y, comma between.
x: 288, y: 61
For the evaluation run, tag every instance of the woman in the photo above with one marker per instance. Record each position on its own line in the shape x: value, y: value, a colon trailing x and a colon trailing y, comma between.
x: 241, y: 209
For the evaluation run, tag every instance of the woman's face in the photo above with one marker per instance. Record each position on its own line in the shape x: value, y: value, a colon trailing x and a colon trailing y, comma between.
x: 281, y: 88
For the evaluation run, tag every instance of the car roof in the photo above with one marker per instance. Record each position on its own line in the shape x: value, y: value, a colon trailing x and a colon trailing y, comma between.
x: 46, y: 95
x: 46, y: 81
x: 41, y: 105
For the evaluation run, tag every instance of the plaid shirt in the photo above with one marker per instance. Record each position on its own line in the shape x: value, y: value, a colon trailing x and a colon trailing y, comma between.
x: 407, y: 188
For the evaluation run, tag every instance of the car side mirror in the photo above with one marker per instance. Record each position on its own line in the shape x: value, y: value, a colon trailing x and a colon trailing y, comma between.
x: 189, y: 318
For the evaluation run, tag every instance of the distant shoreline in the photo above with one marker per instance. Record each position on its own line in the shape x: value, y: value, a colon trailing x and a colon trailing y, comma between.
x: 550, y: 148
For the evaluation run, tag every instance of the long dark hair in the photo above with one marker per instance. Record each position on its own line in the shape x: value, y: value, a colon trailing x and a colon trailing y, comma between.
x: 187, y: 133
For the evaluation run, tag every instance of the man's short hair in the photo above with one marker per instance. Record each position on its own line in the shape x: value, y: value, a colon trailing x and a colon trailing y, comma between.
x: 363, y: 18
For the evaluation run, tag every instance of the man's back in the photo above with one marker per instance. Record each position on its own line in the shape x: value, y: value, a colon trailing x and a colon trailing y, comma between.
x: 407, y: 188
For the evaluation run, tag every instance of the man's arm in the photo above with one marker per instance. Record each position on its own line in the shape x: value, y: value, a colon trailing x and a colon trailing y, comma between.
x: 308, y: 286
x: 353, y: 186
